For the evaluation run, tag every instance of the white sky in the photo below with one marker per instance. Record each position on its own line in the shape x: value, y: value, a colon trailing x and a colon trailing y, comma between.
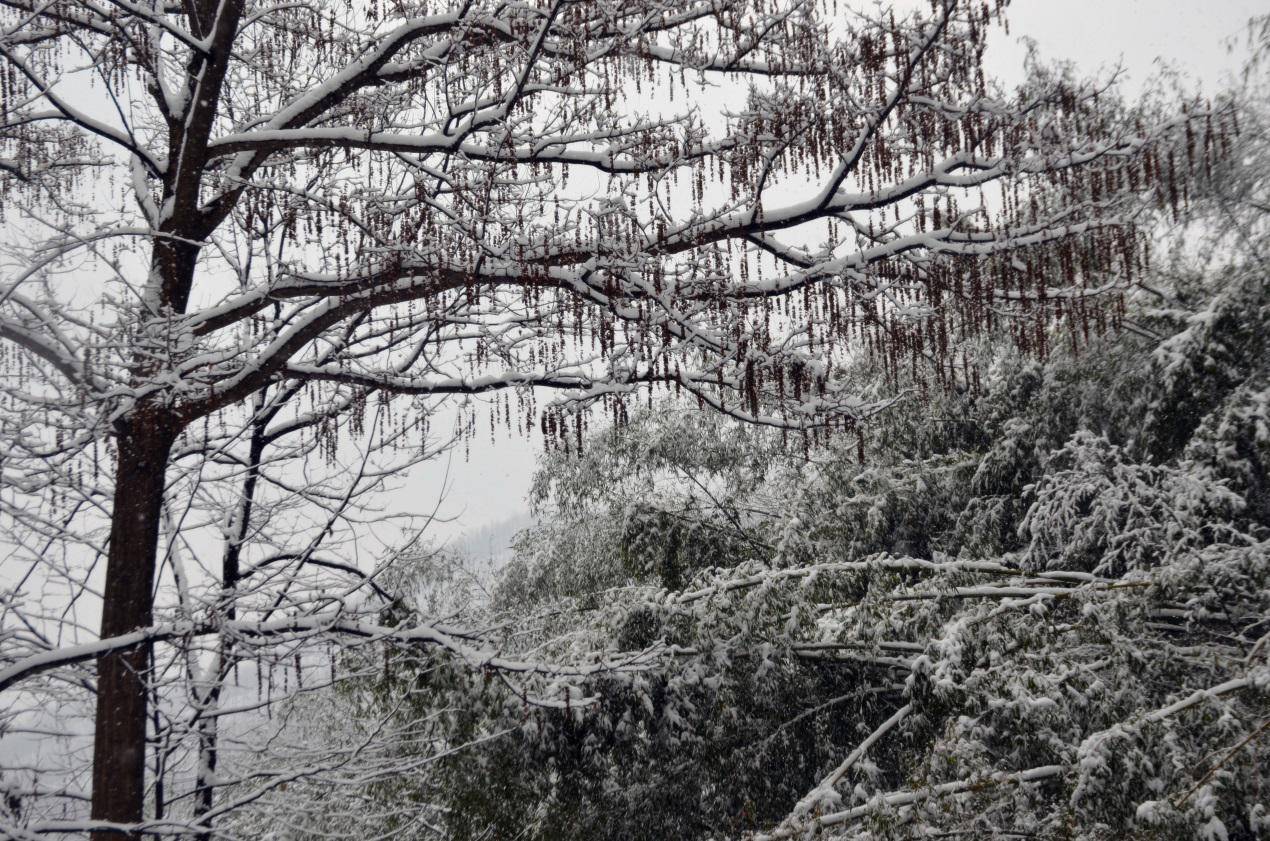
x: 1094, y: 34
x: 1190, y: 35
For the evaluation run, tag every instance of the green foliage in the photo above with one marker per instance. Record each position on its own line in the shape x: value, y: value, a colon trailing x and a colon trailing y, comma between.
x: 1083, y: 463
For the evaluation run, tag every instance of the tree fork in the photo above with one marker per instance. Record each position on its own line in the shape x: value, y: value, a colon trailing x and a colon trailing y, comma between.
x: 144, y: 441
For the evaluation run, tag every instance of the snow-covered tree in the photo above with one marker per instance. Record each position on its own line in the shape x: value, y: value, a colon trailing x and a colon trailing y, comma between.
x: 214, y: 204
x: 1032, y: 608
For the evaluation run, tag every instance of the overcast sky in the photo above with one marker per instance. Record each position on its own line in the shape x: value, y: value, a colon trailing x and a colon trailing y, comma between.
x: 1100, y: 33
x: 1096, y: 34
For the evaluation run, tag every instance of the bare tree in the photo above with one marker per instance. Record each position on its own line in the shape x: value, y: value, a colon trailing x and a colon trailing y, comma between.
x: 337, y: 200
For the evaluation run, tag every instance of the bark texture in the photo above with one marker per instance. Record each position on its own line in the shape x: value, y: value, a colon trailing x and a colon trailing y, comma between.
x: 119, y: 749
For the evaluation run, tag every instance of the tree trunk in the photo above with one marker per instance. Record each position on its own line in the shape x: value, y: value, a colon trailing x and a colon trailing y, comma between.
x: 119, y: 751
x: 208, y: 729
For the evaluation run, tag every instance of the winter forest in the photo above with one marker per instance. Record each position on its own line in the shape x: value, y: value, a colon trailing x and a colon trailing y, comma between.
x: 900, y: 423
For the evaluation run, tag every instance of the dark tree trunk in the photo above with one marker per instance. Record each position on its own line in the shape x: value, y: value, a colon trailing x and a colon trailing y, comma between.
x: 119, y: 750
